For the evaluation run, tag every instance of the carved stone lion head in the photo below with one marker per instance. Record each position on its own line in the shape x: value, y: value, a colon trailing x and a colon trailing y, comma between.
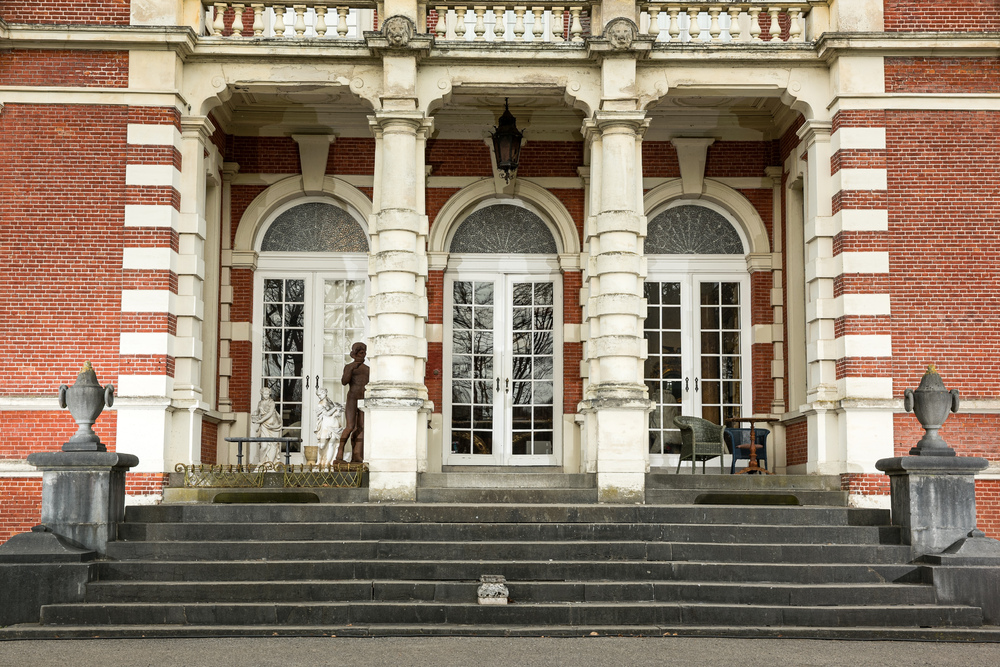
x: 398, y: 30
x: 620, y: 33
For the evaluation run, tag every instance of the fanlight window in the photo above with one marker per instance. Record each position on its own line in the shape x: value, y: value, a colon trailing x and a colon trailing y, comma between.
x: 315, y: 227
x: 503, y: 228
x: 692, y: 230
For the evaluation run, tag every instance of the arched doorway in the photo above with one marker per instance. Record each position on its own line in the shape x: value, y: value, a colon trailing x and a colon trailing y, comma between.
x: 697, y: 326
x: 503, y: 338
x: 310, y: 304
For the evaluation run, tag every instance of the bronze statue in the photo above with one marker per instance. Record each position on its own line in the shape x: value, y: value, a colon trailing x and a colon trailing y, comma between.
x: 356, y: 377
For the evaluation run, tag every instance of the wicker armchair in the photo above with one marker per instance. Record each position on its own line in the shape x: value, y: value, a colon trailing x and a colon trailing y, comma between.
x: 700, y: 440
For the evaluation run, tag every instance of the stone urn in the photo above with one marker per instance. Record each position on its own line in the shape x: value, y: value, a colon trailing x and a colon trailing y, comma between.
x: 312, y: 454
x: 931, y: 403
x: 86, y: 399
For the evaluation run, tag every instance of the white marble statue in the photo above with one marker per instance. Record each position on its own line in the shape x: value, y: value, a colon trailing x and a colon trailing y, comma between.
x: 329, y: 426
x: 267, y: 424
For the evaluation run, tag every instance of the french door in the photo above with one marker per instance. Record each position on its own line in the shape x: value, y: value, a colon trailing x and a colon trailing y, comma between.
x: 307, y: 324
x: 697, y: 339
x: 503, y: 393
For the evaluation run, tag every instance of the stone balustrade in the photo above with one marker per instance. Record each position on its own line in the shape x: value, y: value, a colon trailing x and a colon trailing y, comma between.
x: 535, y: 23
x: 306, y: 20
x: 725, y: 23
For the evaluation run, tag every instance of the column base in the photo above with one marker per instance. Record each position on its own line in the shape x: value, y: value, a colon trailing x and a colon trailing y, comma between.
x: 83, y: 494
x: 933, y: 499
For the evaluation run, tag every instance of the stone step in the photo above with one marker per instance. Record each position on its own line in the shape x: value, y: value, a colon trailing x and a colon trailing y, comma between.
x: 507, y: 513
x: 591, y: 613
x: 506, y: 480
x: 521, y: 591
x: 777, y: 496
x: 524, y: 570
x: 733, y: 554
x: 727, y: 482
x: 501, y: 495
x: 690, y: 532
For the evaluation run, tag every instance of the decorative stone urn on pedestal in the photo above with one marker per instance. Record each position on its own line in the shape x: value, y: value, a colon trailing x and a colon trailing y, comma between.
x: 86, y: 399
x: 931, y: 403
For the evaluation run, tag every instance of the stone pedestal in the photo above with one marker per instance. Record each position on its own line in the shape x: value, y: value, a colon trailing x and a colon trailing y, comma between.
x: 83, y: 494
x: 933, y: 498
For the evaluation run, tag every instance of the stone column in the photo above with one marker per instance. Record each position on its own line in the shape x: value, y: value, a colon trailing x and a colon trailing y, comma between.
x: 616, y: 403
x: 396, y: 402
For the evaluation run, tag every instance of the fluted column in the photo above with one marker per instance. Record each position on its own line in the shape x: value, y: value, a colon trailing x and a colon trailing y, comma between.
x: 616, y: 401
x: 396, y: 400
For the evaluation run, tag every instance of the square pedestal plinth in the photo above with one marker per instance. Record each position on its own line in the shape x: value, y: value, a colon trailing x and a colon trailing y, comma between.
x: 83, y: 494
x: 933, y: 498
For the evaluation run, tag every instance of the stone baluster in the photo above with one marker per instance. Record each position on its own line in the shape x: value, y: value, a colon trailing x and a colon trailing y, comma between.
x: 519, y: 23
x: 795, y: 25
x: 300, y: 20
x: 441, y: 29
x: 715, y: 29
x: 321, y: 21
x: 654, y: 21
x: 219, y: 21
x: 675, y: 23
x: 342, y: 21
x: 734, y: 23
x: 775, y: 28
x: 576, y: 28
x: 694, y: 30
x: 755, y: 23
x: 460, y: 27
x: 480, y: 27
x: 500, y: 24
x: 539, y: 29
x: 238, y: 20
x: 279, y: 20
x: 258, y: 19
x: 556, y: 28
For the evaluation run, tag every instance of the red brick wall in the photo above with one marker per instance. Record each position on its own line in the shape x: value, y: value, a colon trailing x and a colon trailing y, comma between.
x: 145, y: 483
x: 451, y: 157
x: 968, y: 434
x: 943, y: 75
x: 572, y: 351
x: 762, y: 354
x: 549, y: 158
x: 435, y: 199
x: 209, y: 443
x: 21, y: 501
x: 241, y: 196
x: 63, y: 67
x: 988, y: 507
x: 944, y: 194
x: 62, y: 299
x: 740, y: 158
x: 352, y: 155
x: 796, y: 442
x: 865, y: 484
x: 265, y: 155
x: 659, y: 160
x: 87, y: 12
x: 956, y: 16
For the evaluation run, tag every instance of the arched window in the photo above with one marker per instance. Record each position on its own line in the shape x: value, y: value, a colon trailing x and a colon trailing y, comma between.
x: 314, y: 227
x: 503, y: 228
x: 692, y: 230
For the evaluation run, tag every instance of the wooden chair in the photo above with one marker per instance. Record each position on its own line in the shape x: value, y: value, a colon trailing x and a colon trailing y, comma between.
x: 700, y: 440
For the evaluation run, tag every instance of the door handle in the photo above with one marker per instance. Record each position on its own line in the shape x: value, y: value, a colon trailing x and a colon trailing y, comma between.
x: 498, y: 384
x: 506, y: 385
x: 696, y: 384
x: 687, y: 385
x: 307, y: 382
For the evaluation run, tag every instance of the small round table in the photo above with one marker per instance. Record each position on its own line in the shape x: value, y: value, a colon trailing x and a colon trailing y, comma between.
x: 753, y: 467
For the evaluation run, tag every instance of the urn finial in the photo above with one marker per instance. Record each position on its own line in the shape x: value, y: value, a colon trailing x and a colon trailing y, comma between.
x: 86, y: 399
x: 931, y: 403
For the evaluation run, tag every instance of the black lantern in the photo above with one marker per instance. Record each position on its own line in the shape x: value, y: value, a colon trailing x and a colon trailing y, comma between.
x: 507, y: 143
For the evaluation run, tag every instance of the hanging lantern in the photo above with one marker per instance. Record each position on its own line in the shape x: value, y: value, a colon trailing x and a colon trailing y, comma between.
x: 507, y: 144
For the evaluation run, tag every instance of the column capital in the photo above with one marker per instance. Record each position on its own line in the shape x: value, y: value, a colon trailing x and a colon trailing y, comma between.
x: 396, y: 121
x: 813, y: 131
x: 200, y: 126
x: 618, y: 122
x: 229, y: 171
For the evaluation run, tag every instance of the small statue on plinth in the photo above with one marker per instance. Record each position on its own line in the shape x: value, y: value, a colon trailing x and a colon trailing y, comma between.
x: 267, y: 424
x: 356, y: 379
x: 329, y: 425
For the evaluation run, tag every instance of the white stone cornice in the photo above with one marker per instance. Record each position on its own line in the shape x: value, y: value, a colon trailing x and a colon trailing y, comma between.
x: 833, y: 45
x: 180, y: 39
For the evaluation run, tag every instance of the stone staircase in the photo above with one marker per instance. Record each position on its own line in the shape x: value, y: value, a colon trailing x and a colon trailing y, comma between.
x: 676, y: 565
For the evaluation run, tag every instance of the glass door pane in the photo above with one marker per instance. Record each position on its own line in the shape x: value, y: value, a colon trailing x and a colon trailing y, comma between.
x: 664, y: 368
x: 720, y: 354
x: 344, y: 319
x: 532, y: 321
x: 283, y: 349
x: 472, y: 367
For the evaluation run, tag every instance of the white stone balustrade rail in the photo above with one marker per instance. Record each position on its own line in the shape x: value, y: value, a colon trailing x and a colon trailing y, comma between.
x: 528, y: 23
x: 726, y: 22
x: 305, y: 20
